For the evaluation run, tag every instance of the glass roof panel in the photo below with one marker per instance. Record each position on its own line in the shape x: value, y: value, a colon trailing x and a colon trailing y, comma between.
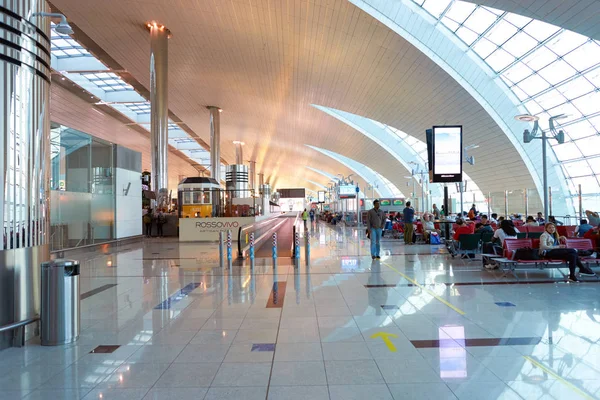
x: 517, y: 20
x: 480, y: 20
x: 540, y: 30
x: 500, y: 59
x: 484, y: 48
x: 567, y: 151
x: 534, y: 85
x: 557, y: 72
x: 584, y: 57
x: 501, y: 32
x: 520, y: 44
x: 460, y: 11
x: 588, y: 104
x: 467, y: 35
x: 541, y: 57
x: 436, y: 7
x: 576, y: 88
x: 566, y: 42
x: 518, y: 72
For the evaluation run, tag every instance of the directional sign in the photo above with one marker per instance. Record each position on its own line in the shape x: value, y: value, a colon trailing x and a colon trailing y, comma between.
x: 385, y: 336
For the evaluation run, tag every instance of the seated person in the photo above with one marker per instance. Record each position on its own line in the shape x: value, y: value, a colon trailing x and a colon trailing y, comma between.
x: 500, y: 219
x: 481, y: 228
x: 506, y: 230
x: 551, y: 248
x: 553, y: 220
x: 462, y: 229
x: 494, y: 219
x: 531, y: 222
x: 593, y: 217
x: 582, y: 228
x: 540, y: 219
x: 594, y: 235
x: 428, y: 227
x: 485, y: 220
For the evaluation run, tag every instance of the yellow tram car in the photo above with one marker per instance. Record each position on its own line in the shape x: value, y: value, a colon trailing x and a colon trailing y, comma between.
x: 195, y: 199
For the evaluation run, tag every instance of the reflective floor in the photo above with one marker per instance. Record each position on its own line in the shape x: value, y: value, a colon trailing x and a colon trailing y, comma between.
x: 415, y: 325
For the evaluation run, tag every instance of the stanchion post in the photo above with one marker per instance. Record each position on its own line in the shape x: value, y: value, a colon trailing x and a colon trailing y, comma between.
x: 221, y: 255
x: 296, y: 246
x: 229, y: 255
x: 307, y: 248
x: 274, y: 250
x: 251, y: 246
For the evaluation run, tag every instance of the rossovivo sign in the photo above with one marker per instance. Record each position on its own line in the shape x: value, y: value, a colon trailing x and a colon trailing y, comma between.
x: 207, y: 229
x: 208, y: 226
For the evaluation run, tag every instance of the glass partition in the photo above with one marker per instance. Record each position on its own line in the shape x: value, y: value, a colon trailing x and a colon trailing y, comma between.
x: 82, y: 189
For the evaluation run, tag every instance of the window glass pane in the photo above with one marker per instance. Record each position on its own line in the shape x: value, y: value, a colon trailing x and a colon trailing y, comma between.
x: 520, y: 44
x: 594, y: 164
x: 557, y: 72
x: 588, y: 104
x: 550, y: 99
x: 499, y: 60
x: 533, y: 107
x: 565, y: 42
x: 566, y: 151
x: 484, y: 48
x: 519, y: 93
x: 460, y: 11
x: 580, y: 130
x: 534, y: 85
x: 480, y: 20
x: 575, y: 88
x: 577, y: 168
x: 450, y: 24
x: 467, y: 35
x: 501, y: 32
x: 587, y: 185
x: 594, y: 77
x: 540, y: 58
x: 589, y: 146
x: 567, y: 109
x: 436, y: 7
x: 584, y: 57
x: 540, y: 30
x: 518, y: 72
x: 517, y: 20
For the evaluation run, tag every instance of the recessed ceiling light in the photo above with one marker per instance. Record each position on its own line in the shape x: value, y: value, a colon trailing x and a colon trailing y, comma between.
x: 526, y: 118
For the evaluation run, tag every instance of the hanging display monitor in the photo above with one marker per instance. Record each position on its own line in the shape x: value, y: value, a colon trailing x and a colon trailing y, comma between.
x: 347, y: 192
x: 447, y: 153
x: 321, y: 197
x: 429, y: 139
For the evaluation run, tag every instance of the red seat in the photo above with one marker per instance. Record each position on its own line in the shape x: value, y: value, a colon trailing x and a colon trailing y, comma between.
x: 534, y: 228
x: 510, y: 245
x: 579, y: 244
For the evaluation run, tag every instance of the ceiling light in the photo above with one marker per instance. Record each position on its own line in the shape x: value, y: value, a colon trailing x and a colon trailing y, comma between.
x: 527, y: 118
x: 220, y: 110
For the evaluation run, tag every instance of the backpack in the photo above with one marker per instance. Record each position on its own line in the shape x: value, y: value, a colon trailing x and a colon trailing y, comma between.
x: 526, y: 253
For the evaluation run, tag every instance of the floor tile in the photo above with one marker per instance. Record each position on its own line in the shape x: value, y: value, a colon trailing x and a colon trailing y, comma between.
x: 421, y: 391
x: 256, y: 336
x: 188, y: 375
x: 199, y: 353
x: 359, y: 392
x: 298, y: 352
x: 54, y: 394
x: 473, y: 390
x: 131, y: 375
x: 360, y: 372
x: 214, y: 337
x: 242, y: 353
x: 407, y: 371
x: 116, y: 394
x: 346, y: 351
x: 243, y: 374
x: 236, y: 393
x: 298, y: 393
x: 80, y: 376
x: 155, y: 353
x: 298, y: 373
x: 176, y: 394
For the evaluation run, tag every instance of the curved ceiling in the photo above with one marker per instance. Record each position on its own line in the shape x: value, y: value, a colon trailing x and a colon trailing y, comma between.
x: 579, y: 16
x: 266, y: 63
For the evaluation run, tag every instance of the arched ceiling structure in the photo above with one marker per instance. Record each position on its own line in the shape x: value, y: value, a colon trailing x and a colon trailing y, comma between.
x: 265, y: 63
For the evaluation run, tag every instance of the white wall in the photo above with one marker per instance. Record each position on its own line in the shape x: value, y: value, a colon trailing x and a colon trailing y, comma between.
x: 128, y: 206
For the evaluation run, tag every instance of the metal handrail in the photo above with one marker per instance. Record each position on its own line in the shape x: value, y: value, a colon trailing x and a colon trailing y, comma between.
x: 247, y: 227
x: 19, y: 324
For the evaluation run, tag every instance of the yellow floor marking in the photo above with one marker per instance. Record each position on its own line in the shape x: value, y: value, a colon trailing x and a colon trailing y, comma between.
x: 458, y: 310
x: 558, y: 378
x: 385, y: 336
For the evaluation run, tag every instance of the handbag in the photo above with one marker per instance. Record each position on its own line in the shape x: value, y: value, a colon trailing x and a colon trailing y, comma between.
x: 526, y: 253
x: 434, y: 238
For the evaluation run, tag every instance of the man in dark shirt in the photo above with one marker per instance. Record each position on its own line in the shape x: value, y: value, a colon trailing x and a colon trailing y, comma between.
x: 408, y: 219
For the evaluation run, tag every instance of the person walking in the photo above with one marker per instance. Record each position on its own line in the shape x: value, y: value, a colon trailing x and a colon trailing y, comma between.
x: 305, y: 218
x: 375, y: 225
x: 408, y: 219
x: 312, y: 215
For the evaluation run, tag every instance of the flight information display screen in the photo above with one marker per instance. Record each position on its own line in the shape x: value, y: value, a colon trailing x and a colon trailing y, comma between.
x: 447, y: 153
x: 321, y: 197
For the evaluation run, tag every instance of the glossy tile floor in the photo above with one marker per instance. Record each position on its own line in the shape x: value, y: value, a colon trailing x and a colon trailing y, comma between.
x: 415, y: 325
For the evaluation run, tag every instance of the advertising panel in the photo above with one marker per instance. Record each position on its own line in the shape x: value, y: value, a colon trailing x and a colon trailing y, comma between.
x: 321, y: 197
x: 347, y: 192
x: 447, y: 153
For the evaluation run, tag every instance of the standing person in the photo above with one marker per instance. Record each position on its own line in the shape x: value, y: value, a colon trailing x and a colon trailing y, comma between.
x: 443, y: 212
x: 408, y: 219
x: 161, y: 219
x: 312, y: 215
x: 551, y: 248
x: 148, y: 223
x: 305, y: 217
x: 472, y: 213
x: 436, y: 212
x: 375, y: 225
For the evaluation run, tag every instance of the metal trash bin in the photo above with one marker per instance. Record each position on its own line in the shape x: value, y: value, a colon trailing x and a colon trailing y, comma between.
x: 60, y: 318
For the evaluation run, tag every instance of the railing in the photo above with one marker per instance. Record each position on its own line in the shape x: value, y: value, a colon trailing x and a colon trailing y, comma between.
x: 261, y: 230
x: 20, y: 335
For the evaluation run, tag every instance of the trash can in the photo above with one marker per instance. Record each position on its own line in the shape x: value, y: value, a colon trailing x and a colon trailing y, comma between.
x: 60, y: 316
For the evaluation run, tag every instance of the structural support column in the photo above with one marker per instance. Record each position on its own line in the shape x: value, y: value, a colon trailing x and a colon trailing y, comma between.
x: 252, y: 176
x: 215, y: 156
x: 239, y: 152
x: 159, y: 112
